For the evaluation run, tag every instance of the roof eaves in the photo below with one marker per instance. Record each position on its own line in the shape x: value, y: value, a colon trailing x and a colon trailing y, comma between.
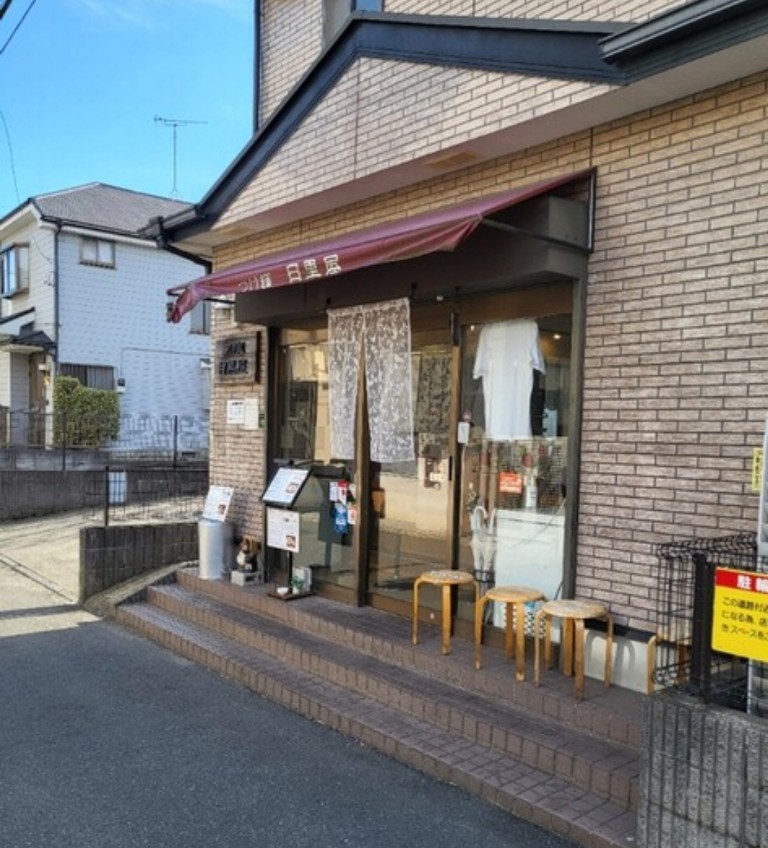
x: 558, y: 49
x: 687, y: 32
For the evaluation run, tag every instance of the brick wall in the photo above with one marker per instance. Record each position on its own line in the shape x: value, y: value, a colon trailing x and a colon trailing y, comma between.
x: 581, y: 10
x: 675, y: 377
x: 383, y: 114
x: 237, y: 455
x: 292, y: 33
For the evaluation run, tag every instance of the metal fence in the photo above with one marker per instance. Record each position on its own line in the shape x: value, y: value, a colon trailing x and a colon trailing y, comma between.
x: 152, y: 494
x: 685, y: 596
x: 56, y: 440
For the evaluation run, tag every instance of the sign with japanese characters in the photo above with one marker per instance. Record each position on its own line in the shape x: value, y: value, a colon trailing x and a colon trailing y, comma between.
x: 740, y: 614
x: 237, y: 359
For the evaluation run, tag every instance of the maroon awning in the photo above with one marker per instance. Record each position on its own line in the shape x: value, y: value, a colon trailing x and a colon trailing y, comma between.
x: 406, y: 238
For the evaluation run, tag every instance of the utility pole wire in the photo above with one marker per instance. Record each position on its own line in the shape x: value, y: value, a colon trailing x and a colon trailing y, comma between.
x: 16, y: 28
x: 5, y: 7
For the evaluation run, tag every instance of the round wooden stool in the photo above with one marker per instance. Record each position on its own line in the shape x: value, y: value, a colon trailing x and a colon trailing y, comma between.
x: 515, y: 598
x: 573, y: 613
x: 445, y: 578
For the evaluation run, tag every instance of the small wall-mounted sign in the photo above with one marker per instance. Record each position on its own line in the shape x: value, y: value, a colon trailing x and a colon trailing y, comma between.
x: 237, y: 359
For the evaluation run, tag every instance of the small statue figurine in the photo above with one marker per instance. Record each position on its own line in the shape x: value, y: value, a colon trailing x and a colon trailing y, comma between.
x: 245, y: 556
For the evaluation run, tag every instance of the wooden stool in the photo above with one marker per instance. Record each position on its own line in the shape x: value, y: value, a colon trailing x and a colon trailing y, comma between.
x: 445, y: 578
x: 573, y: 613
x: 515, y: 598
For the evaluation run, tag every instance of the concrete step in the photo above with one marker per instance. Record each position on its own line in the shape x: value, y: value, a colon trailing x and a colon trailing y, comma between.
x: 480, y: 767
x: 607, y: 769
x: 570, y: 766
x: 613, y: 714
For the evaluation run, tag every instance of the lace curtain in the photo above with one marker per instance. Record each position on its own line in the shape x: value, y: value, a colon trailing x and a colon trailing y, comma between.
x: 383, y: 330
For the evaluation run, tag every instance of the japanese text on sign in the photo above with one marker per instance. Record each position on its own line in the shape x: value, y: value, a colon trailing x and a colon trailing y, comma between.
x: 740, y: 620
x: 312, y: 268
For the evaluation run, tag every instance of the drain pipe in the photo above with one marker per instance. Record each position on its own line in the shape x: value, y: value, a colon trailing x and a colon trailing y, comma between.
x: 256, y: 65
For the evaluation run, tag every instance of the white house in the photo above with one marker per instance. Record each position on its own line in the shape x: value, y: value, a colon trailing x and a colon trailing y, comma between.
x: 82, y: 294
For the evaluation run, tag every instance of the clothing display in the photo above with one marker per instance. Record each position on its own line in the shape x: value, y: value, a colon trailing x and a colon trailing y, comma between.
x: 507, y: 354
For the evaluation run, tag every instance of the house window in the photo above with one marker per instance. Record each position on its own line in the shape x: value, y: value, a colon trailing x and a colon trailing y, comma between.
x: 90, y: 376
x: 96, y: 251
x: 14, y: 270
x: 200, y: 318
x: 336, y: 12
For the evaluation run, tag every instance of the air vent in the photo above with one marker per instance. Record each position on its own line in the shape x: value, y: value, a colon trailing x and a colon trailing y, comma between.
x: 450, y: 161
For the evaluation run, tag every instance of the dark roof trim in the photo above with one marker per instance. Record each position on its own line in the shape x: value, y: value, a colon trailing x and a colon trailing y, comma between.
x: 555, y: 49
x: 684, y: 34
x: 16, y: 315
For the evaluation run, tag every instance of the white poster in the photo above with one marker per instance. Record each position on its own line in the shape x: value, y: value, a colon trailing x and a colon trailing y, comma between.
x: 217, y: 503
x: 283, y: 530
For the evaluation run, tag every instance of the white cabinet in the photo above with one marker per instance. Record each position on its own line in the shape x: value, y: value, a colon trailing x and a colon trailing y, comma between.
x: 529, y: 552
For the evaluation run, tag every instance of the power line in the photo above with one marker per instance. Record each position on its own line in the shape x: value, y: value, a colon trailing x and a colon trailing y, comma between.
x: 16, y: 28
x: 10, y: 154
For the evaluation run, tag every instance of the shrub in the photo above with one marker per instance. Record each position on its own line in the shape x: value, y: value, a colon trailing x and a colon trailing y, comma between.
x: 84, y: 417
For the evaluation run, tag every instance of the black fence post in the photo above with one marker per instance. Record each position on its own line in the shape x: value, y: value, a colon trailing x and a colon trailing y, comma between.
x: 175, y: 440
x: 106, y: 496
x: 701, y: 638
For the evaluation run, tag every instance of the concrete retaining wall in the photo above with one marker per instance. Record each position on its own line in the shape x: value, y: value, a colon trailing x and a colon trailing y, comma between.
x: 112, y: 555
x: 704, y: 776
x: 26, y: 494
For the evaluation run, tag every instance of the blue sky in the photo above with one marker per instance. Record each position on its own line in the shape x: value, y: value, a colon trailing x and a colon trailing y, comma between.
x: 82, y: 81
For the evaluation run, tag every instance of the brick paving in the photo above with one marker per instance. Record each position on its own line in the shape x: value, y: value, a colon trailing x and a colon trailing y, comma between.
x: 571, y: 767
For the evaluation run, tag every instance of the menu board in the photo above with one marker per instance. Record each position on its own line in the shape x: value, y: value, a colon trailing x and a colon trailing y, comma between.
x: 283, y: 530
x: 285, y: 486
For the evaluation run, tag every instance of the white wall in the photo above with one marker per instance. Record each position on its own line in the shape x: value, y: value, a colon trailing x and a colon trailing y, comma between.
x: 116, y: 317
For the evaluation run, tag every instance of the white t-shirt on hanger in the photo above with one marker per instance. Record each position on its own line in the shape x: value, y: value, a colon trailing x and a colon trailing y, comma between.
x: 507, y: 354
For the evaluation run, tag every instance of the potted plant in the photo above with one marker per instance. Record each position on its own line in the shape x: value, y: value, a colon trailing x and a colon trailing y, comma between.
x: 297, y: 585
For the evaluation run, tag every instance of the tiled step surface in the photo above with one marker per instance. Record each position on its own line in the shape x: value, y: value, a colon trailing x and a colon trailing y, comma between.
x: 354, y: 671
x: 606, y: 769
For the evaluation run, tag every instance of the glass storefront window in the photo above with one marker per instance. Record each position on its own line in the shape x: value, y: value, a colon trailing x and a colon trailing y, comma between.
x: 304, y: 438
x: 409, y: 523
x: 515, y: 399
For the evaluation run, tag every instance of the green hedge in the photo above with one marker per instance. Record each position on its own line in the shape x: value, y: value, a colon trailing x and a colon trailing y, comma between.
x: 84, y: 417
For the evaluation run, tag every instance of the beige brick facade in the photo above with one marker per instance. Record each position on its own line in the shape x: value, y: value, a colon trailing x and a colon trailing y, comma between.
x: 567, y: 10
x: 675, y: 377
x: 382, y: 114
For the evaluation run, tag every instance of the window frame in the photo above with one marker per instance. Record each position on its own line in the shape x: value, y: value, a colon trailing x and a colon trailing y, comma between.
x: 14, y: 271
x: 100, y: 246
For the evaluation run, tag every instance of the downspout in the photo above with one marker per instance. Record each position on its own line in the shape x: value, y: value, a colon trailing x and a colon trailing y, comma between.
x: 256, y: 65
x: 58, y: 224
x: 162, y: 242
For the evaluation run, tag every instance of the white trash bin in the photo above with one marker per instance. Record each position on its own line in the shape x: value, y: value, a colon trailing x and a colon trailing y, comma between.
x: 215, y: 548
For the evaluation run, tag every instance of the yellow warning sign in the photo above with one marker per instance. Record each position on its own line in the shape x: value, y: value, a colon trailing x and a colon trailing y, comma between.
x: 757, y: 469
x: 740, y: 620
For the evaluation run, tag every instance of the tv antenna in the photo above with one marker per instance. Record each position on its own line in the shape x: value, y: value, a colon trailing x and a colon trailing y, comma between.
x: 175, y: 123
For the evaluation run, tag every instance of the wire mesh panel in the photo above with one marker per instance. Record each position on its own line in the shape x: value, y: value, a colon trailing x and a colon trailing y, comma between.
x: 685, y: 594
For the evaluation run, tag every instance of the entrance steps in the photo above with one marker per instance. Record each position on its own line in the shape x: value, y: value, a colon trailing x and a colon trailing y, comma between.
x: 570, y: 767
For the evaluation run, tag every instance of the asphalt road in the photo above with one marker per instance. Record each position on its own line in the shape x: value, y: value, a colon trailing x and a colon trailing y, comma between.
x: 108, y: 741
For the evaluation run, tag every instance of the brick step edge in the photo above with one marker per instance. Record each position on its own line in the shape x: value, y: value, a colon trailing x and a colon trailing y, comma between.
x: 607, y: 769
x: 326, y: 620
x: 526, y: 792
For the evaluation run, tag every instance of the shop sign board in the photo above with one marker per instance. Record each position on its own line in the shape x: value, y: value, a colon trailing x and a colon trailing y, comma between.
x: 285, y: 486
x: 237, y: 359
x: 740, y: 619
x: 283, y: 530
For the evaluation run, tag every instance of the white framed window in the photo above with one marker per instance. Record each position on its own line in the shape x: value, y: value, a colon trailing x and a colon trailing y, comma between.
x: 200, y: 318
x: 96, y: 251
x: 14, y: 270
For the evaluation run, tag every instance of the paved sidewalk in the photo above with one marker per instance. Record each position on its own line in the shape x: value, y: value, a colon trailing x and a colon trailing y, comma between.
x: 111, y: 742
x: 48, y: 548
